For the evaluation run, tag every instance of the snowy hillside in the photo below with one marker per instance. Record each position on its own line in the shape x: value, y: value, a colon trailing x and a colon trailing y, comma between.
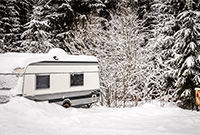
x: 24, y: 117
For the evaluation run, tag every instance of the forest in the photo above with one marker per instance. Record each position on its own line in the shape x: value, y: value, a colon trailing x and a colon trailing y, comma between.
x: 147, y: 49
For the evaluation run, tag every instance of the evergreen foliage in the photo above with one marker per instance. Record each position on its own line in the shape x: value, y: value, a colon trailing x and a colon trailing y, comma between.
x: 35, y: 38
x: 13, y: 15
x: 186, y: 55
x: 9, y: 25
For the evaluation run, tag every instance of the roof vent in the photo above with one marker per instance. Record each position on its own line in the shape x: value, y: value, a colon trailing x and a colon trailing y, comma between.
x: 55, y: 57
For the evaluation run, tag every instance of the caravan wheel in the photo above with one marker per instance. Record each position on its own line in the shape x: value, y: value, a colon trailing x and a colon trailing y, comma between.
x: 66, y: 103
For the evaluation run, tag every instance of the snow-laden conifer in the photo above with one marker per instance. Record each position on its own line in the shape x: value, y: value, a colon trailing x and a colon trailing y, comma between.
x: 35, y: 37
x: 187, y: 51
x: 9, y: 25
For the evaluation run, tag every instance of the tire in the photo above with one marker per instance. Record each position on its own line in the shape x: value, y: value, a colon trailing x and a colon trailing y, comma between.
x: 66, y: 103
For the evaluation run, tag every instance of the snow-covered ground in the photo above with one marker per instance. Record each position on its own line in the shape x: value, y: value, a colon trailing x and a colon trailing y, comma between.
x: 24, y: 117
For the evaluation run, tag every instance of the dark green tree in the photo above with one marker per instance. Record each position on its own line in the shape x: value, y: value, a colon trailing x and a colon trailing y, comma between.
x: 35, y: 37
x: 13, y: 15
x: 9, y: 25
x: 186, y: 62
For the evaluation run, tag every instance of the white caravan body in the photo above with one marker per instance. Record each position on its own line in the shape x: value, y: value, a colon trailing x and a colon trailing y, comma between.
x: 73, y: 78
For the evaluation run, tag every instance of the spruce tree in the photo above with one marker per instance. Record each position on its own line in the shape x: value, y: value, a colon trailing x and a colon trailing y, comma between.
x: 9, y: 25
x: 35, y: 37
x: 157, y: 24
x: 187, y: 53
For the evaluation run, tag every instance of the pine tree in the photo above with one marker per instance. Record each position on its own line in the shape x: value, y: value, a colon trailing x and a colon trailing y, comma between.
x: 157, y: 29
x: 61, y: 19
x: 35, y: 38
x: 187, y: 53
x: 67, y: 16
x: 13, y: 15
x: 25, y: 11
x: 9, y: 25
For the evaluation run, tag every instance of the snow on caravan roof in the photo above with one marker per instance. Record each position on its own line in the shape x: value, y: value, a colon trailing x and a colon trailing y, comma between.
x: 11, y: 61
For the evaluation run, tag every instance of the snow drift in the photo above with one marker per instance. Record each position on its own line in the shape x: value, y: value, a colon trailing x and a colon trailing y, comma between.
x: 24, y: 117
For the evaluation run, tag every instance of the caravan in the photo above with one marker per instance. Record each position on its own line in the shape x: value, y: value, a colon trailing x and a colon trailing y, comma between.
x: 54, y: 77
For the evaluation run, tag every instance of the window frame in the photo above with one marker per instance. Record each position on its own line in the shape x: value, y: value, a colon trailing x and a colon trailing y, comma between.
x: 81, y: 77
x: 36, y: 81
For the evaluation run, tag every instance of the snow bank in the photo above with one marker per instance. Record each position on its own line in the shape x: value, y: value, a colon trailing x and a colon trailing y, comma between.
x: 11, y: 61
x: 24, y: 117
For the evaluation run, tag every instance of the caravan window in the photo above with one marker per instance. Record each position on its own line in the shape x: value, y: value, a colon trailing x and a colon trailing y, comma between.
x: 42, y: 81
x: 77, y: 79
